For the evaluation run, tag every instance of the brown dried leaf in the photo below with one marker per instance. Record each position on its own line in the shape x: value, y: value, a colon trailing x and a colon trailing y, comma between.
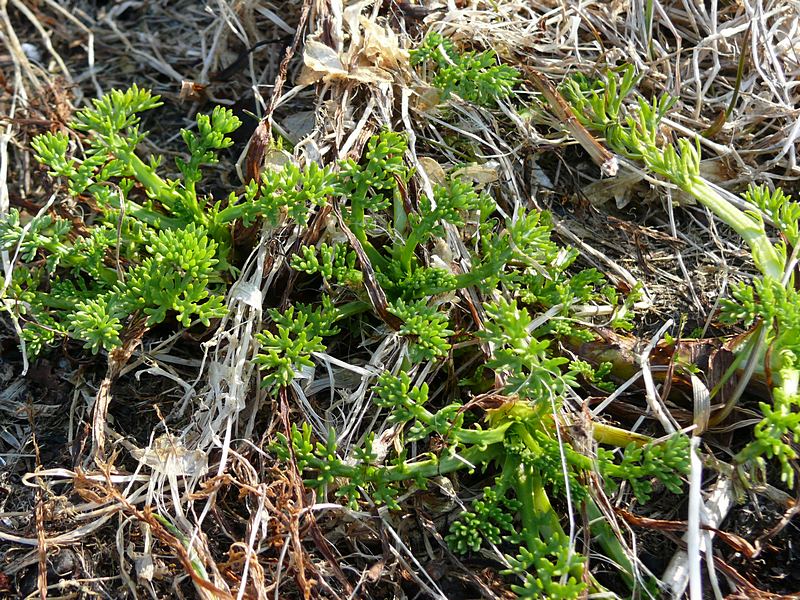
x: 374, y: 55
x: 427, y: 98
x: 320, y: 62
x: 433, y: 170
x: 480, y: 175
x: 382, y: 48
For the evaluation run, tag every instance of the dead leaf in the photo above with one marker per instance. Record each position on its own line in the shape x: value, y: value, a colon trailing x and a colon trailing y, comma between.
x: 374, y: 54
x: 374, y: 573
x: 481, y: 175
x: 433, y: 170
x: 370, y: 75
x: 382, y: 47
x: 320, y: 62
x: 192, y: 91
x: 427, y: 98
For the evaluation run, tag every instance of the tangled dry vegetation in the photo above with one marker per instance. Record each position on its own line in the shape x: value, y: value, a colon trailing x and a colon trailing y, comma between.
x: 502, y: 344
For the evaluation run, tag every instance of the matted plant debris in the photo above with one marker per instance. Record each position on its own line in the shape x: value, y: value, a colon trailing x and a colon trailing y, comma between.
x: 332, y: 299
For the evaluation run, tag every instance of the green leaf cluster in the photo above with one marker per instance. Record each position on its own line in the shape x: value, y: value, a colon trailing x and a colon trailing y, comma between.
x: 299, y: 332
x: 401, y: 242
x: 769, y: 305
x: 150, y: 249
x: 384, y: 236
x: 776, y: 308
x: 549, y: 569
x: 473, y: 76
x: 336, y: 264
x: 642, y: 465
x: 635, y: 133
x: 776, y: 435
x: 519, y: 441
x: 154, y: 247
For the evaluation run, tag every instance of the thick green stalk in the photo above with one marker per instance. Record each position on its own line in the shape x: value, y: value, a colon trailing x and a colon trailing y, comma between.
x: 162, y: 191
x: 605, y: 536
x: 351, y: 308
x: 479, y: 437
x: 358, y: 213
x: 482, y: 437
x: 154, y: 184
x: 400, y: 217
x: 473, y: 456
x: 47, y: 300
x: 765, y: 256
x: 140, y: 213
x: 541, y: 504
x: 408, y: 248
x: 532, y: 504
x: 357, y: 223
x: 231, y: 213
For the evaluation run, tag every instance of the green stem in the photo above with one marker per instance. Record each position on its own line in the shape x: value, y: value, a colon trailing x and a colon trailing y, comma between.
x: 483, y: 437
x: 400, y: 216
x: 616, y: 436
x: 155, y: 186
x: 526, y: 494
x: 358, y: 213
x: 163, y: 192
x: 152, y: 218
x: 765, y: 255
x: 408, y: 249
x: 352, y: 308
x: 375, y: 258
x: 47, y: 300
x: 539, y: 521
x: 605, y: 536
x: 356, y: 224
x: 471, y: 457
x: 231, y: 213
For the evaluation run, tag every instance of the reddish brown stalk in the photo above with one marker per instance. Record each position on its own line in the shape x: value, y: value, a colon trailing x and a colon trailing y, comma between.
x: 563, y: 111
x: 117, y: 359
x: 735, y: 542
x: 297, y: 553
x: 94, y: 491
x: 262, y: 136
x: 377, y: 296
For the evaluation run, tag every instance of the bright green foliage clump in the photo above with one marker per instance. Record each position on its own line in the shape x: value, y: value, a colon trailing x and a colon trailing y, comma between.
x: 299, y: 334
x: 424, y: 324
x: 778, y: 433
x: 157, y: 247
x: 776, y: 307
x: 770, y: 304
x: 641, y: 465
x: 491, y: 521
x: 519, y: 256
x: 599, y: 105
x: 473, y: 76
x: 336, y: 264
x: 515, y: 513
x: 390, y: 240
x: 152, y: 250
